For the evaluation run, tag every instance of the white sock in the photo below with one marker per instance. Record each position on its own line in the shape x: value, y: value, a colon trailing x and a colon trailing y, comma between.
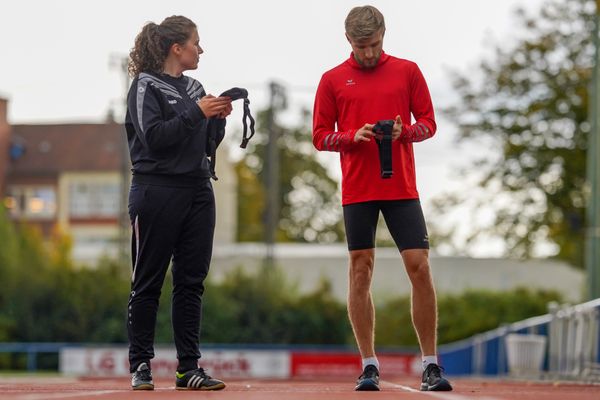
x: 370, y: 361
x: 429, y: 360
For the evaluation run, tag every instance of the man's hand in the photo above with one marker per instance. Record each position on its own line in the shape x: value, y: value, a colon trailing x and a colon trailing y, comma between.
x: 213, y: 106
x: 397, y: 130
x: 364, y: 134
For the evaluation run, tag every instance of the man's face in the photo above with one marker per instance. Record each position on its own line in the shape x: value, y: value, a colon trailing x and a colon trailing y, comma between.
x: 367, y: 51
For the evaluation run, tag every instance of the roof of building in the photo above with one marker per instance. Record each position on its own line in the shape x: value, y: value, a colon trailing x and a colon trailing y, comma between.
x: 50, y: 149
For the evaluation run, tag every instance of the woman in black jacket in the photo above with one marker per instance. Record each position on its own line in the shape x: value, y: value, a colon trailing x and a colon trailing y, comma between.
x: 171, y: 201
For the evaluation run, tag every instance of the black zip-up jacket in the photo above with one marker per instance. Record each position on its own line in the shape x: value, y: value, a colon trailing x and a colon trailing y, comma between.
x: 166, y: 130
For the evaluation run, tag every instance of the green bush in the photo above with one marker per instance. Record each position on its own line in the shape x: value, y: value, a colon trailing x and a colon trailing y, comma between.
x: 45, y: 298
x: 264, y: 308
x: 461, y: 316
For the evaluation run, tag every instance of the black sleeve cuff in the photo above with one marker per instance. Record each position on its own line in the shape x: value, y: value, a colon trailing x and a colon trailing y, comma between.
x: 194, y: 115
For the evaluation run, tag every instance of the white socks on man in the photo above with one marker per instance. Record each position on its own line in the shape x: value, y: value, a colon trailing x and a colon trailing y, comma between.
x: 373, y: 361
x: 370, y: 361
x: 429, y: 360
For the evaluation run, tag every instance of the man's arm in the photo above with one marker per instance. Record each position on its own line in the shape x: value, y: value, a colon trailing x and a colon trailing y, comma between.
x: 325, y: 138
x: 422, y: 109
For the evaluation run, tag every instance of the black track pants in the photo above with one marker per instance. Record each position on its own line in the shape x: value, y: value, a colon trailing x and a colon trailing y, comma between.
x: 169, y: 222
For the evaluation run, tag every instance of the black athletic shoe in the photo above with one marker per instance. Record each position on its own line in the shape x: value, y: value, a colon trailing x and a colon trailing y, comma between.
x: 141, y: 379
x: 197, y: 379
x: 433, y: 381
x: 369, y: 380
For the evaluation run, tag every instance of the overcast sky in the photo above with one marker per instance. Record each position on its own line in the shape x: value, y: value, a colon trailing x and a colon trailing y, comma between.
x: 56, y: 54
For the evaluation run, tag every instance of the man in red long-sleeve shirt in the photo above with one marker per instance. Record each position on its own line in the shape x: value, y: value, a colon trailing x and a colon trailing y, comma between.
x: 368, y: 87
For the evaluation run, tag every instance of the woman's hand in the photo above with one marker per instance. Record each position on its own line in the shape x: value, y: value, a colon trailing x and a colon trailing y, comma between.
x: 226, y: 112
x: 214, y: 106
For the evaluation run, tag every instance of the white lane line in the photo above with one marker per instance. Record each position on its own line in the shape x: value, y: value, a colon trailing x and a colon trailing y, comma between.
x: 82, y: 393
x: 407, y: 388
x: 48, y: 396
x: 439, y: 395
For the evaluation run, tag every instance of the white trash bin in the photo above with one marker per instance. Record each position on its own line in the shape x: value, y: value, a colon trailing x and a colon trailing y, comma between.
x: 525, y: 354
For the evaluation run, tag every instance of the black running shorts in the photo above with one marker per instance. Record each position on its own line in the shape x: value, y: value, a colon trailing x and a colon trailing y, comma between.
x: 404, y: 219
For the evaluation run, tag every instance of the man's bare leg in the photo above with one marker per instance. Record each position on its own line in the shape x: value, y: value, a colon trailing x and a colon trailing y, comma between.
x: 423, y: 299
x: 360, y: 304
x: 424, y: 316
x: 362, y: 316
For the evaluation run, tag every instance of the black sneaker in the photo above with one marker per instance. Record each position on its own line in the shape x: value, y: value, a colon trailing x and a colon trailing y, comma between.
x: 369, y: 380
x: 141, y: 379
x: 197, y: 379
x: 433, y: 381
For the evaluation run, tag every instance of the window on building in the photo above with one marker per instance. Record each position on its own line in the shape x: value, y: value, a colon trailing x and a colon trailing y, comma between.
x: 32, y: 202
x: 94, y: 199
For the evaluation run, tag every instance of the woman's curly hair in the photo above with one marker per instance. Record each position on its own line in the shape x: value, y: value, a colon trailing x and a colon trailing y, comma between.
x: 153, y: 43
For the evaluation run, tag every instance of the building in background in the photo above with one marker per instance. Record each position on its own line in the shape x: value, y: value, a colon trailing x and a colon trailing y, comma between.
x: 307, y: 265
x: 69, y: 176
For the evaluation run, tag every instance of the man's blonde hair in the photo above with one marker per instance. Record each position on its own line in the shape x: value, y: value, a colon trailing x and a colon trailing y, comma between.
x: 363, y: 22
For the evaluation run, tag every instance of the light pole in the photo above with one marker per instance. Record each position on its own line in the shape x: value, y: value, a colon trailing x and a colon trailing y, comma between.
x: 121, y: 62
x: 592, y: 253
x: 278, y: 102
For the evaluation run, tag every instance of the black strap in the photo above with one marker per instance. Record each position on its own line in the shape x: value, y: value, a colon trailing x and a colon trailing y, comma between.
x: 241, y: 93
x: 213, y: 127
x: 385, y: 128
x: 247, y: 115
x: 211, y: 148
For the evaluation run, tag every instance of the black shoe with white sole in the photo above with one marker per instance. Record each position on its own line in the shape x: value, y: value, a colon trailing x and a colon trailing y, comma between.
x: 433, y: 380
x: 369, y: 380
x: 141, y: 379
x: 197, y: 379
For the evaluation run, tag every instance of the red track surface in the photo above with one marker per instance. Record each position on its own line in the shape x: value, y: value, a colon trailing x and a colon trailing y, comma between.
x: 42, y: 388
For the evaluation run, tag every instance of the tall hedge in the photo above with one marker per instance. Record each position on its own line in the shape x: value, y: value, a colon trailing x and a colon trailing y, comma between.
x: 44, y: 297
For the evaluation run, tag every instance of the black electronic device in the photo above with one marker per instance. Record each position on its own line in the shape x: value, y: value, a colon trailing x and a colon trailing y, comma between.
x: 384, y: 129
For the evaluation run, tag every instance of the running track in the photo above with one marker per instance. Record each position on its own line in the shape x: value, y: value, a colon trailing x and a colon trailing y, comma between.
x: 45, y: 388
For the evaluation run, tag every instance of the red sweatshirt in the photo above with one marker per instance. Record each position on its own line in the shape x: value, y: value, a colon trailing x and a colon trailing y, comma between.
x: 350, y: 97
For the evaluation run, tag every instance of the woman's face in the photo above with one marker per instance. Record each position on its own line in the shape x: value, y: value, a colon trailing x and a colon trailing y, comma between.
x: 190, y: 52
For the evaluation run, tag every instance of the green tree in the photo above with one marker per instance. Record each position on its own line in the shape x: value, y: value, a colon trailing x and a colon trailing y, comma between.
x: 309, y: 198
x: 9, y: 257
x: 26, y: 264
x: 44, y: 297
x: 529, y: 106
